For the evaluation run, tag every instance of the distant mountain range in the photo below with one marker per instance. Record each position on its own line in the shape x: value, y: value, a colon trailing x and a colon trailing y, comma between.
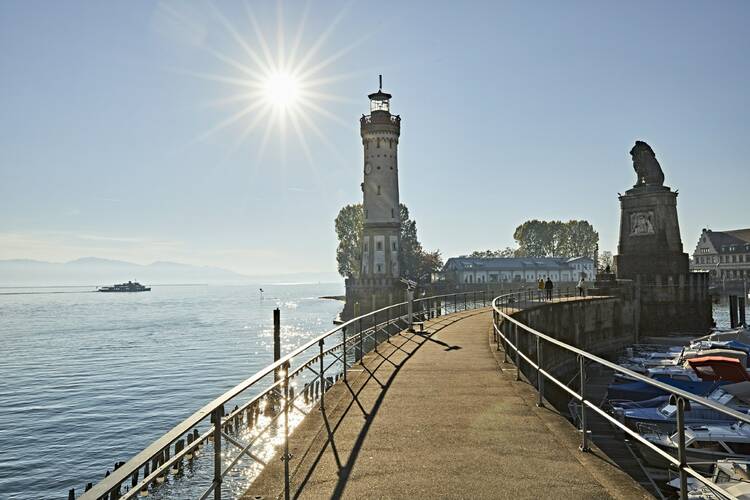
x: 93, y: 271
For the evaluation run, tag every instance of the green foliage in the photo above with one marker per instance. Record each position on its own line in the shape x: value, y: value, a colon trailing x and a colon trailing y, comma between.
x: 349, y: 224
x: 605, y: 259
x: 415, y: 263
x: 574, y: 238
x: 503, y: 252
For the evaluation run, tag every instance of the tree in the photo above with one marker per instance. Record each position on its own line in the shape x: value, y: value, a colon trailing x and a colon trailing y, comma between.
x: 605, y: 259
x: 504, y: 252
x: 349, y: 224
x: 415, y: 263
x: 556, y: 239
x: 581, y: 239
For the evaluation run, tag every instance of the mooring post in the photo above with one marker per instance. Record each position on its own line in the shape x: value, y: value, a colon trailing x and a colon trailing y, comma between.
x: 732, y: 311
x: 217, y: 414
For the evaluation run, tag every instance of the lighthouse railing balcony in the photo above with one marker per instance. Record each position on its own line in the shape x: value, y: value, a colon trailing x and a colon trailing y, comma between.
x: 215, y: 453
x: 368, y: 119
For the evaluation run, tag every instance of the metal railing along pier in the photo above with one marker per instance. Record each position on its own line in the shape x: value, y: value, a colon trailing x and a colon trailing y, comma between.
x: 510, y: 333
x: 258, y: 428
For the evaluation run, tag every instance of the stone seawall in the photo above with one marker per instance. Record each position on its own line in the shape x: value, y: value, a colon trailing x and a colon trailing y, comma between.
x: 599, y: 325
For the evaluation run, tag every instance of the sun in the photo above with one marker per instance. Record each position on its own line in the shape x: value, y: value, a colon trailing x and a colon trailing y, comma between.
x: 281, y: 82
x: 281, y: 90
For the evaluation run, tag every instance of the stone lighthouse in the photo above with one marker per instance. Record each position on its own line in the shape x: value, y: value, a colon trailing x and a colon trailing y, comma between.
x: 378, y: 282
x: 380, y: 131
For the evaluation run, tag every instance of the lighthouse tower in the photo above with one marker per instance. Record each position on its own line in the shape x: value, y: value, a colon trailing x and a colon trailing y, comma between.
x: 381, y: 243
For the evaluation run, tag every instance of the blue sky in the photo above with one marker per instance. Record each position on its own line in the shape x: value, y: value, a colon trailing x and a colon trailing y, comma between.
x: 511, y: 111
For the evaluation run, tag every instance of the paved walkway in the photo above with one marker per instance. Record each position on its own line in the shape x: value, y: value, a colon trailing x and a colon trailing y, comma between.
x: 436, y: 417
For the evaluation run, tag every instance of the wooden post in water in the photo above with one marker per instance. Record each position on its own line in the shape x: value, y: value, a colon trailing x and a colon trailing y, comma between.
x: 733, y: 311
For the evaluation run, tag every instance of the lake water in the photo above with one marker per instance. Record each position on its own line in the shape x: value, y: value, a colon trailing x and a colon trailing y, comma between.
x: 89, y: 379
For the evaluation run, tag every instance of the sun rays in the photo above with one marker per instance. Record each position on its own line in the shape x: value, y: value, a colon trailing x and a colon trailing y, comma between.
x: 278, y: 84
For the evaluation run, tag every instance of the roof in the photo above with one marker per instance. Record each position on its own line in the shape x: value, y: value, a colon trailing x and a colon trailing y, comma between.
x: 511, y: 263
x: 721, y: 239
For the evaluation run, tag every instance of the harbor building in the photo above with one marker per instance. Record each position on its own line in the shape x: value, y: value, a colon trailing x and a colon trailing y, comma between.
x: 516, y: 269
x: 723, y: 254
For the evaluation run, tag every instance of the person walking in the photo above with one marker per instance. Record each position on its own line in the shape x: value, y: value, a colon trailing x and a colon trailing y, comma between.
x: 540, y: 287
x: 548, y: 288
x: 581, y: 287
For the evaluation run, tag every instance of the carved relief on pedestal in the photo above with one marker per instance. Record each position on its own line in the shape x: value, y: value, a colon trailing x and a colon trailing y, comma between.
x: 641, y: 223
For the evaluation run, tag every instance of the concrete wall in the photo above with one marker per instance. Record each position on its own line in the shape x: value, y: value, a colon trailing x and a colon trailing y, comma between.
x: 601, y: 326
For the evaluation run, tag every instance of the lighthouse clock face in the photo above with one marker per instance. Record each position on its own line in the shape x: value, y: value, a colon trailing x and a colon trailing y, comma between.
x: 368, y: 168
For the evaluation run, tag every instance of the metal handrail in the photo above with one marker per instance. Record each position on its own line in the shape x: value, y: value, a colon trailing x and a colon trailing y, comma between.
x: 501, y: 314
x: 365, y: 325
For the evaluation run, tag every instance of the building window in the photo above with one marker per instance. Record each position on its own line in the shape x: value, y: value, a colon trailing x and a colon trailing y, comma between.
x: 379, y: 268
x: 379, y: 246
x: 378, y: 145
x: 366, y: 246
x: 393, y: 246
x: 392, y: 216
x: 378, y: 189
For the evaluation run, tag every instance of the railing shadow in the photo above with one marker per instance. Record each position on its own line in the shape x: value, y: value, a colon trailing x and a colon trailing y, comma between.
x: 392, y: 355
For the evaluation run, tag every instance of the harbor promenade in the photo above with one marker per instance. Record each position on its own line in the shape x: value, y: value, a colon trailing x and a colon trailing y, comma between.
x: 438, y: 415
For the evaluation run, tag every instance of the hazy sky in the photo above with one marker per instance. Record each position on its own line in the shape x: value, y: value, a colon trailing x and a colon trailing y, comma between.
x: 112, y: 144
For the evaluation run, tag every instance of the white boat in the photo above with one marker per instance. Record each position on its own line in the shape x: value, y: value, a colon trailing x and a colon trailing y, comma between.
x: 704, y: 444
x: 731, y: 475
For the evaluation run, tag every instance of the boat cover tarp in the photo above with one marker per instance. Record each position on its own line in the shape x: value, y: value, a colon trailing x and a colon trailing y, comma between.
x: 640, y: 391
x: 724, y: 353
x: 741, y: 390
x: 712, y: 368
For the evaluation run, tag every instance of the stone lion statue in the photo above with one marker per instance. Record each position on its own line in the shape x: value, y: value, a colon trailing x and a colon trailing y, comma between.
x: 646, y: 165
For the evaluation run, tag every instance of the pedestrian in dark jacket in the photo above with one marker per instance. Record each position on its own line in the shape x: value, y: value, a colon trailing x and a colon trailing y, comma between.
x: 548, y: 288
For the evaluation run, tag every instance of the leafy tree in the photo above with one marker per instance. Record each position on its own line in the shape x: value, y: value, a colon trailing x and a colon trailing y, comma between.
x: 605, y: 259
x: 556, y: 239
x: 349, y: 224
x: 415, y: 263
x: 504, y: 252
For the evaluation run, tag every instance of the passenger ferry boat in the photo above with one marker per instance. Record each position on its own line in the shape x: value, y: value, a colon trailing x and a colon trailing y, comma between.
x: 130, y: 286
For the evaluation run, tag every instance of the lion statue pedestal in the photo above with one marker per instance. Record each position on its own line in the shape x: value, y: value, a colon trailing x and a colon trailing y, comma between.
x: 650, y: 242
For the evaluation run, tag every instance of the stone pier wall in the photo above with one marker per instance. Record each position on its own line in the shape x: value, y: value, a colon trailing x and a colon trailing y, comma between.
x: 600, y: 326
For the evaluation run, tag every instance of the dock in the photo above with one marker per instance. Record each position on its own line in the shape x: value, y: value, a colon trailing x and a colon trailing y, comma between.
x: 439, y: 415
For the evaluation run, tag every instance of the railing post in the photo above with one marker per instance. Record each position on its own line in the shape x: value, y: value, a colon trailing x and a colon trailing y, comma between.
x: 287, y: 456
x: 584, y: 427
x: 361, y: 352
x: 518, y: 356
x: 322, y: 376
x: 375, y: 329
x: 343, y: 357
x: 539, y: 378
x: 681, y: 456
x: 464, y: 301
x: 474, y: 304
x: 217, y: 452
